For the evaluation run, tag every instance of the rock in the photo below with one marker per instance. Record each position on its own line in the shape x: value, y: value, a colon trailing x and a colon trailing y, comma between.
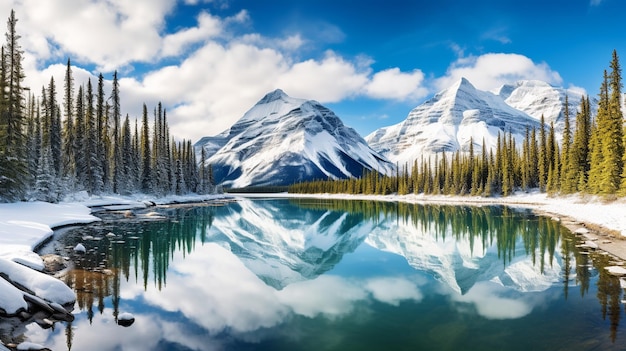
x: 581, y: 231
x: 616, y: 270
x: 80, y: 248
x: 111, y: 235
x: 591, y: 244
x: 129, y: 214
x: 125, y: 319
x: 53, y: 263
x: 30, y: 346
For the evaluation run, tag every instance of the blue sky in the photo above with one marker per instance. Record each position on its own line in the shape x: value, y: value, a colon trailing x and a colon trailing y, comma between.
x: 369, y: 61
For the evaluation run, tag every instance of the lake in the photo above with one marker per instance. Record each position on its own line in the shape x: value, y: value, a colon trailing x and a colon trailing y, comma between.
x: 311, y: 274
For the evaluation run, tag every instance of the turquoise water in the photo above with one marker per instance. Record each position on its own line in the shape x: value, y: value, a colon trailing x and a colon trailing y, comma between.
x: 279, y: 274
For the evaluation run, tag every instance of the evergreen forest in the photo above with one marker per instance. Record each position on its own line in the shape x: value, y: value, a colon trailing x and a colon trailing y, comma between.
x: 590, y: 159
x: 49, y: 148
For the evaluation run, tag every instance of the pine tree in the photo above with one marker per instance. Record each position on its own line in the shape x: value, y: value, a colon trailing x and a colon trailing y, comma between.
x: 80, y: 142
x: 68, y: 142
x: 554, y: 162
x: 146, y: 160
x: 596, y: 167
x: 612, y: 134
x: 33, y: 136
x: 117, y: 166
x: 123, y: 168
x: 525, y: 162
x: 103, y: 140
x: 95, y: 174
x: 568, y: 178
x: 544, y: 160
x: 54, y: 117
x: 46, y: 188
x: 13, y: 163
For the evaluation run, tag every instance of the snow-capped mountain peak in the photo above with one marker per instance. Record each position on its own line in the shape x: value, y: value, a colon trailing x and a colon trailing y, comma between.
x: 282, y: 140
x: 447, y: 122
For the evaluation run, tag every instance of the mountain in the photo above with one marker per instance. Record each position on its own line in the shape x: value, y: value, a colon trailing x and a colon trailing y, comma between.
x: 447, y: 121
x: 537, y: 98
x: 282, y: 140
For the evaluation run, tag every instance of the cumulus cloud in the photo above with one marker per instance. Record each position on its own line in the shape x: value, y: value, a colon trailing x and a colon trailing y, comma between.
x: 208, y: 26
x: 490, y: 71
x: 217, y: 72
x: 396, y: 85
x: 109, y: 34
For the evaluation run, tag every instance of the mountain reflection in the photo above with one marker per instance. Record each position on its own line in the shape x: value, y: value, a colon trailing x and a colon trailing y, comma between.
x: 488, y: 256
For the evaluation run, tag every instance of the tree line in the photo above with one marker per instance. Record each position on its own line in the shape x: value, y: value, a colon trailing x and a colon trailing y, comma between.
x: 49, y: 149
x: 590, y: 159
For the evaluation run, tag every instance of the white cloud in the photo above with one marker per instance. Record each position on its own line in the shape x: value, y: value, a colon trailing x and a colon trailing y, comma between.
x: 490, y: 71
x: 109, y: 34
x: 330, y: 80
x: 208, y: 26
x: 219, y: 75
x: 397, y: 85
x: 217, y: 84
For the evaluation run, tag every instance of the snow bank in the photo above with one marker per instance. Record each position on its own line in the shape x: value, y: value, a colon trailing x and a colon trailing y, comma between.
x: 11, y: 299
x: 25, y: 225
x: 42, y: 285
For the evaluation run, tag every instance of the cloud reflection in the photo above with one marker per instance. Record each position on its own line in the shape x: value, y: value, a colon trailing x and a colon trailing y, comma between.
x: 215, y: 290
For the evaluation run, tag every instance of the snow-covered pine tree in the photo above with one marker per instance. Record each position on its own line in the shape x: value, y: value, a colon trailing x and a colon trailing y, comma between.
x: 146, y: 181
x: 46, y: 185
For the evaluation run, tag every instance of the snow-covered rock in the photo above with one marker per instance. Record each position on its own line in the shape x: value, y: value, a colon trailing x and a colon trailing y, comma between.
x: 42, y: 285
x: 80, y: 248
x: 616, y: 270
x: 282, y: 140
x: 11, y: 299
x: 29, y: 346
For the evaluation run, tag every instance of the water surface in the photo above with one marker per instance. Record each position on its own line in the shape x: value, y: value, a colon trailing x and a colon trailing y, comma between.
x: 279, y: 274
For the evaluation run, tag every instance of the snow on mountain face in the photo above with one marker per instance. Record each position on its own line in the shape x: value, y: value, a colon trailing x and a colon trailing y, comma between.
x: 282, y: 140
x: 448, y: 121
x: 538, y: 98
